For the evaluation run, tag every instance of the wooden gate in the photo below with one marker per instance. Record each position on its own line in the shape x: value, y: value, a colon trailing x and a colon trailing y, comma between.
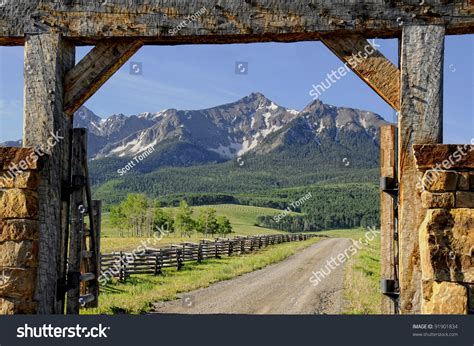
x: 81, y: 244
x: 389, y: 220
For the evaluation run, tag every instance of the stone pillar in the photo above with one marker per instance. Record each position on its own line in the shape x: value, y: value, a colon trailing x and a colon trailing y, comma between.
x: 19, y: 230
x: 446, y: 236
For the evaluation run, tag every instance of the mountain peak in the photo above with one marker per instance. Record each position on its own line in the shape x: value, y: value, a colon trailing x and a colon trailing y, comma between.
x: 86, y: 115
x: 252, y: 124
x: 256, y: 96
x: 316, y: 102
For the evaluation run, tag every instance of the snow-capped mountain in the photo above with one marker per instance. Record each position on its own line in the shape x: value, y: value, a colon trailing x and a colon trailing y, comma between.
x: 253, y: 124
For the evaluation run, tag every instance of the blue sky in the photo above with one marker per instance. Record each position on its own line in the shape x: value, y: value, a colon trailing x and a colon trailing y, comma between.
x: 201, y: 76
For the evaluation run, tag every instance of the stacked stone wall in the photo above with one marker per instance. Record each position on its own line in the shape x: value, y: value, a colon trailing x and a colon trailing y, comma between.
x: 19, y: 229
x: 446, y: 236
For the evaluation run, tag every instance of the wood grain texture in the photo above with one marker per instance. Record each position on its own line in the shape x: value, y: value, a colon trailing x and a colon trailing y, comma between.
x: 369, y: 64
x: 94, y: 246
x: 95, y: 69
x: 420, y: 122
x: 387, y: 213
x: 77, y: 229
x: 47, y: 58
x: 225, y: 21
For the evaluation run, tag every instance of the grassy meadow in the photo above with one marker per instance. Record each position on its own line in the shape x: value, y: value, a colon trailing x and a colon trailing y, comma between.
x: 242, y: 218
x: 139, y: 292
x: 361, y: 277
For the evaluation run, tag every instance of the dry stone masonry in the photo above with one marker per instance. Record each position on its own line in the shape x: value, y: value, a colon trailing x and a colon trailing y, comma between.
x: 19, y: 230
x: 446, y: 236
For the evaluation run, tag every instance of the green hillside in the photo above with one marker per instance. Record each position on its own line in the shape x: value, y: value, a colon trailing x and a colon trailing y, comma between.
x: 344, y: 193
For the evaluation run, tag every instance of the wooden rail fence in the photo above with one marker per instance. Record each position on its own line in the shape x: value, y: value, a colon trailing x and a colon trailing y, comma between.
x: 122, y: 264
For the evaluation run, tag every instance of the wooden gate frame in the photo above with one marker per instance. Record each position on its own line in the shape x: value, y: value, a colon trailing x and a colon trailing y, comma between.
x: 55, y: 87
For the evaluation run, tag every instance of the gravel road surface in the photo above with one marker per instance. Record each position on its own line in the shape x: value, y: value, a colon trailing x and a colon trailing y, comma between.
x: 281, y: 288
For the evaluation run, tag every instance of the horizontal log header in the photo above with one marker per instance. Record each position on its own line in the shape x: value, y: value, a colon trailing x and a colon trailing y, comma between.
x: 228, y: 21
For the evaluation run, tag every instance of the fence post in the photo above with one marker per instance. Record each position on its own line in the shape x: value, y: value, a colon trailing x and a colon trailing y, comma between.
x: 179, y: 263
x: 157, y: 264
x: 200, y: 258
x: 122, y: 268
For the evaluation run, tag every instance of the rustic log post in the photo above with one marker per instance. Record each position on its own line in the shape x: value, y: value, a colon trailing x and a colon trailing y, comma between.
x: 420, y: 122
x: 79, y: 157
x: 387, y: 212
x: 94, y: 246
x: 47, y: 59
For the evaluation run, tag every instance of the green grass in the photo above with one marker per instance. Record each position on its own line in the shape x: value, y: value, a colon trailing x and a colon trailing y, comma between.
x: 242, y: 218
x: 139, y: 292
x: 361, y: 275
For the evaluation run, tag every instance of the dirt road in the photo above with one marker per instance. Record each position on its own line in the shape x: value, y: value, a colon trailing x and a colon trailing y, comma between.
x: 281, y: 288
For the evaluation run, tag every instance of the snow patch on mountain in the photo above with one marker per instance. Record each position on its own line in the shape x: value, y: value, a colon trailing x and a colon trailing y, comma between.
x: 229, y: 130
x: 228, y: 152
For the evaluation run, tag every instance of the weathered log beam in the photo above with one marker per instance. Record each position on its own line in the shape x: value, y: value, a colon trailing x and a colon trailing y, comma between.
x: 205, y: 21
x: 420, y: 122
x: 47, y: 58
x: 94, y: 70
x: 369, y: 64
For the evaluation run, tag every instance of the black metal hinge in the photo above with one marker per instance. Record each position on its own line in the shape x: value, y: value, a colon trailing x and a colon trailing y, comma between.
x: 389, y: 288
x: 64, y: 285
x: 77, y: 182
x: 389, y: 185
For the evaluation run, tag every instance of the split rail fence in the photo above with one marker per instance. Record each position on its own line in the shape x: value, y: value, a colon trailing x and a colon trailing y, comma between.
x: 122, y: 264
